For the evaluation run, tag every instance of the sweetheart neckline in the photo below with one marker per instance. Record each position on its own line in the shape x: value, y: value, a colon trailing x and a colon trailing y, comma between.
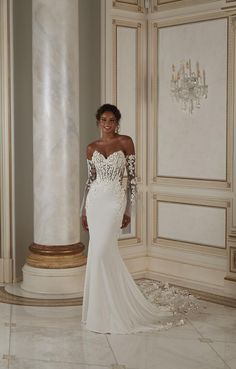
x: 114, y: 152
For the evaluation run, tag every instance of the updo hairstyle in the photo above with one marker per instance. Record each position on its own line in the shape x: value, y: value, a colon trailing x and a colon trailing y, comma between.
x: 108, y: 107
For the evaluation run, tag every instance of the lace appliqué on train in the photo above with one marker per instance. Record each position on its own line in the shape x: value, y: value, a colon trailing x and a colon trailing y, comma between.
x: 167, y: 297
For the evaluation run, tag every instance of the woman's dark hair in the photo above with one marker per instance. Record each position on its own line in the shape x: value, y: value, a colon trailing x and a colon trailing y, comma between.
x: 108, y: 107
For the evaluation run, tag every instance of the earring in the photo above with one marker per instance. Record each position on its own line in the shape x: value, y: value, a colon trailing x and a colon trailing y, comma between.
x: 117, y: 128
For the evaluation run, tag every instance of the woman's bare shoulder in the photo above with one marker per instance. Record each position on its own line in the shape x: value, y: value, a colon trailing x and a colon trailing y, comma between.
x: 127, y: 144
x: 124, y: 137
x: 91, y: 148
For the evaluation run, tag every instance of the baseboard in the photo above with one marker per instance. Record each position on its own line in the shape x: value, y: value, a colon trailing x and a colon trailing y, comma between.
x: 206, y: 291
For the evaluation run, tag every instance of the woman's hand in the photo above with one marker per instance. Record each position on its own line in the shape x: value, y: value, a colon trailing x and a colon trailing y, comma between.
x: 84, y: 222
x: 125, y: 221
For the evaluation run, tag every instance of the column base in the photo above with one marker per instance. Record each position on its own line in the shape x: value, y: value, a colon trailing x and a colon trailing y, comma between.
x: 56, y: 257
x: 53, y: 281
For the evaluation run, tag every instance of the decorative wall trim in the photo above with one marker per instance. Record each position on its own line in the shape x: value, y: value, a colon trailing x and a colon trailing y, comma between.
x: 231, y: 273
x: 233, y: 259
x: 1, y: 271
x: 159, y: 5
x: 229, y: 8
x: 130, y: 5
x: 185, y: 181
x: 185, y: 200
x: 140, y: 89
x: 139, y: 229
x: 6, y: 146
x: 161, y: 2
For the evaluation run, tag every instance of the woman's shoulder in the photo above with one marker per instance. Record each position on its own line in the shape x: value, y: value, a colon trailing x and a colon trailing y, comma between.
x: 91, y: 148
x: 93, y: 144
x: 125, y: 139
x: 127, y: 143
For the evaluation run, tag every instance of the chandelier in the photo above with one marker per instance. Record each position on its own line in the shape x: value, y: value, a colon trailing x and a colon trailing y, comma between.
x: 188, y: 87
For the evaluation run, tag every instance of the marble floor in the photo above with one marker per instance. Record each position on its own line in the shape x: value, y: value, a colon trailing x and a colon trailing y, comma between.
x: 52, y: 338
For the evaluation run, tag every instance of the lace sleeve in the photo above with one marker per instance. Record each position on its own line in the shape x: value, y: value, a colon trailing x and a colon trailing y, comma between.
x: 91, y: 178
x: 131, y: 183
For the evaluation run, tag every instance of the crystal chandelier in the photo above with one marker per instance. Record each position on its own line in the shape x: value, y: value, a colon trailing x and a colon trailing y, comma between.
x: 188, y: 87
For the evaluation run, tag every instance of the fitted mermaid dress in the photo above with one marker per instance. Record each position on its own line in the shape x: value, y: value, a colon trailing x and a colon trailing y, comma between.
x: 112, y: 301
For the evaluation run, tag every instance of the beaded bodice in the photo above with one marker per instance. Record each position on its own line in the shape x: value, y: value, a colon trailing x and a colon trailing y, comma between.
x: 111, y: 170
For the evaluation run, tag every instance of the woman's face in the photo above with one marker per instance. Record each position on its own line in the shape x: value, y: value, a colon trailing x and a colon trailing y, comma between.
x: 108, y: 122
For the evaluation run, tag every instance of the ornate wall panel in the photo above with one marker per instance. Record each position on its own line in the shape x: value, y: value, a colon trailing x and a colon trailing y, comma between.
x: 128, y: 83
x: 190, y: 221
x: 126, y: 73
x: 128, y: 95
x: 192, y: 149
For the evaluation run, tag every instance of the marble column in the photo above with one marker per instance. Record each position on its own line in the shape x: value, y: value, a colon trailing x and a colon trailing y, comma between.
x: 56, y: 256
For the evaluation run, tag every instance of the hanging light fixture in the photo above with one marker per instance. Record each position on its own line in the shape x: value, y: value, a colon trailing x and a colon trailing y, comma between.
x: 188, y: 87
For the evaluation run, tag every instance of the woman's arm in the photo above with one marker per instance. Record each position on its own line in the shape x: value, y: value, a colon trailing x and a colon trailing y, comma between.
x: 131, y: 179
x: 91, y: 178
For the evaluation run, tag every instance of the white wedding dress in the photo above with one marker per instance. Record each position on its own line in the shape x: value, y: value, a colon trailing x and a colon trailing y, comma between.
x: 112, y: 301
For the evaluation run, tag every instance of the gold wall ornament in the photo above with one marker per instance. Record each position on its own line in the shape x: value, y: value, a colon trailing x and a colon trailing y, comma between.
x: 188, y: 86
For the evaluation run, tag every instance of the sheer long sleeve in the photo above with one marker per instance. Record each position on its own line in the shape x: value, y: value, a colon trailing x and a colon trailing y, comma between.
x: 91, y: 178
x: 131, y: 183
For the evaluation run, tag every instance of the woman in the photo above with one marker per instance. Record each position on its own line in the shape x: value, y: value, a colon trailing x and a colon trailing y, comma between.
x: 112, y: 301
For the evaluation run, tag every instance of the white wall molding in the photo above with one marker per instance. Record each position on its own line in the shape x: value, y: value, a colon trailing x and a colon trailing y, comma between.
x: 184, y: 8
x: 131, y: 5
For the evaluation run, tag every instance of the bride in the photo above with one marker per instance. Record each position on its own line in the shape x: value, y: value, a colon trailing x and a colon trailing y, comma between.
x: 112, y: 302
